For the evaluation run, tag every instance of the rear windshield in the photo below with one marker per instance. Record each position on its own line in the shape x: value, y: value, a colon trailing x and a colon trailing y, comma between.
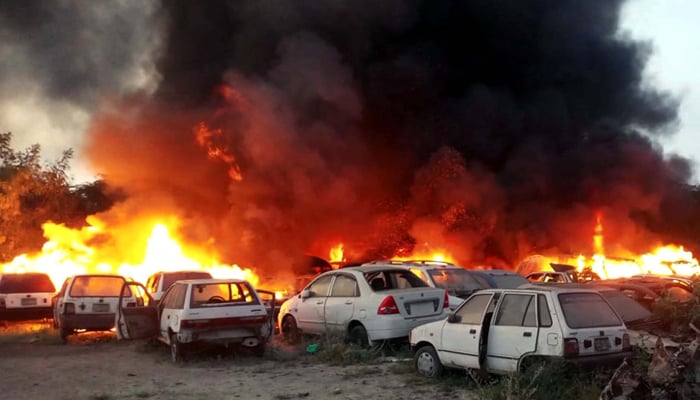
x: 227, y: 293
x: 393, y: 279
x: 456, y: 281
x: 628, y: 309
x: 172, y: 277
x: 26, y: 283
x: 97, y: 286
x: 509, y: 281
x: 587, y: 310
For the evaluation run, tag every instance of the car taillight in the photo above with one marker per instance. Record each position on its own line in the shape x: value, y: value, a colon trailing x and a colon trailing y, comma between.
x: 68, y: 308
x: 446, y: 303
x: 626, y: 345
x: 570, y: 347
x: 388, y: 306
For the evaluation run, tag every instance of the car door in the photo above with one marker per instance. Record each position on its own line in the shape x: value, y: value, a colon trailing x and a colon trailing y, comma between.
x: 461, y: 335
x: 139, y: 321
x: 340, y: 304
x: 310, y: 314
x: 513, y: 333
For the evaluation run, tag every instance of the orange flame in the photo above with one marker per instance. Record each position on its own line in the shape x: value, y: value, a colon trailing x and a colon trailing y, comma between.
x: 134, y: 253
x: 336, y: 254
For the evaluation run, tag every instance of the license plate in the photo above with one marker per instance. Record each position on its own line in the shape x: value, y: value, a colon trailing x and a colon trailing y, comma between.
x: 602, y: 344
x: 418, y: 309
x: 100, y: 307
x: 28, y: 302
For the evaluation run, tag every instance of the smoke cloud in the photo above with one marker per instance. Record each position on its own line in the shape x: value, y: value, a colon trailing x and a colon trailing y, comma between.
x: 493, y: 129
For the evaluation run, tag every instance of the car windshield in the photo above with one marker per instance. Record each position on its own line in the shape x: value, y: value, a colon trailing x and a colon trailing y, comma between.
x: 26, y: 283
x: 628, y: 309
x: 587, y: 310
x: 172, y: 277
x: 457, y: 282
x: 509, y: 281
x: 226, y: 293
x: 97, y: 286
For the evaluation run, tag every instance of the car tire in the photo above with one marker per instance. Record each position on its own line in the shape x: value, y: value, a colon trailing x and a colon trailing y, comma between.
x: 358, y: 336
x: 427, y: 363
x: 290, y: 331
x: 177, y: 349
x: 64, y: 334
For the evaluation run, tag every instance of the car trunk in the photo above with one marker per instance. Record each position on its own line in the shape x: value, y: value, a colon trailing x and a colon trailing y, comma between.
x: 417, y: 302
x: 595, y: 325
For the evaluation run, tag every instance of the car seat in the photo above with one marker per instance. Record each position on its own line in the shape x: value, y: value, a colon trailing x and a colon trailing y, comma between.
x: 377, y: 284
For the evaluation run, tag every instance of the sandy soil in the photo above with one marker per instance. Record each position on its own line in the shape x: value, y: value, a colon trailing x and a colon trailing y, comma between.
x: 95, y: 366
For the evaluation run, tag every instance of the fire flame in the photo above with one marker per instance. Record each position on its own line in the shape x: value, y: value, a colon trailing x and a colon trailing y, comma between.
x: 90, y: 250
x: 336, y: 254
x: 435, y: 255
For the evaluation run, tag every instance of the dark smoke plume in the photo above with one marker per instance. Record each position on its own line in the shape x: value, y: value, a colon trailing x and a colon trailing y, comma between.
x: 495, y: 129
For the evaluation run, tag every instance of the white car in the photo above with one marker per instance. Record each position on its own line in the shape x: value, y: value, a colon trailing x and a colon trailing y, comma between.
x: 89, y: 303
x: 500, y: 331
x: 158, y: 283
x: 25, y: 296
x: 217, y: 311
x: 364, y: 304
x: 457, y: 281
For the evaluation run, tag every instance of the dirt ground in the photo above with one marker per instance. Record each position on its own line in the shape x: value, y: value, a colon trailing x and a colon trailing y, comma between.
x: 34, y: 364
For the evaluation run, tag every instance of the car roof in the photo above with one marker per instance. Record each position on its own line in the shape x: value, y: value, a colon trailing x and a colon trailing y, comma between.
x: 494, y: 272
x: 373, y: 268
x: 182, y: 271
x: 413, y: 263
x: 205, y: 281
x: 552, y: 288
x: 99, y: 275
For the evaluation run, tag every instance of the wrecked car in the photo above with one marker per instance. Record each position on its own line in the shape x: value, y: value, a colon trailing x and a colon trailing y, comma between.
x: 365, y: 304
x: 458, y: 282
x: 225, y: 312
x: 501, y: 331
x: 89, y: 303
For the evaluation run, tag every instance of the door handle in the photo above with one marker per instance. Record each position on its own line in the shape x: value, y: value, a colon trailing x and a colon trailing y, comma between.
x: 319, y: 302
x: 527, y: 334
x: 472, y: 331
x: 348, y: 302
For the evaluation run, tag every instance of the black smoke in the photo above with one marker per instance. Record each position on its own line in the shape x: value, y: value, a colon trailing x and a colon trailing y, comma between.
x: 495, y: 128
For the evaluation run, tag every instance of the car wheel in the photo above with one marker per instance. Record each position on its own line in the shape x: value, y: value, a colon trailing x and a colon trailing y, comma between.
x: 290, y: 332
x: 427, y: 363
x: 358, y: 336
x: 64, y: 334
x: 177, y: 350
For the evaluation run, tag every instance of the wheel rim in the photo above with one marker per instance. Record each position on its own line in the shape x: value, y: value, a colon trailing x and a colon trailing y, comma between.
x: 425, y: 364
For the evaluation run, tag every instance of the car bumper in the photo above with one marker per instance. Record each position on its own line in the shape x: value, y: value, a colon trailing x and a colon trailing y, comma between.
x: 90, y: 322
x: 26, y: 313
x: 221, y: 336
x: 396, y: 327
x: 603, y: 360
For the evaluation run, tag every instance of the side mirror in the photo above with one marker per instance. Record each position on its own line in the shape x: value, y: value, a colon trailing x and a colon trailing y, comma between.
x: 305, y: 294
x: 453, y: 318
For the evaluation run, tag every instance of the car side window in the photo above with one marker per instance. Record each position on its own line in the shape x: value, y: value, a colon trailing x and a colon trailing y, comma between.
x: 175, y: 297
x: 545, y: 318
x: 472, y: 310
x: 516, y: 310
x: 319, y: 288
x: 534, y: 277
x: 344, y: 286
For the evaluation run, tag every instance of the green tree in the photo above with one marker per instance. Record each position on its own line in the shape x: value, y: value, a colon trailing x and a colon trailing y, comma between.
x: 32, y: 193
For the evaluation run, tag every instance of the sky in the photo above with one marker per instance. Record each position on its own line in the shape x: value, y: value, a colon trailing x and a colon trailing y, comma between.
x: 36, y: 113
x: 671, y: 26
